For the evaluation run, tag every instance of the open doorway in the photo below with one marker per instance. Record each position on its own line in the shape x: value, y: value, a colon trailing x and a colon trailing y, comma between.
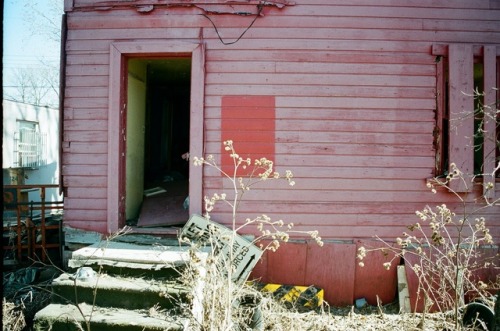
x: 157, y: 135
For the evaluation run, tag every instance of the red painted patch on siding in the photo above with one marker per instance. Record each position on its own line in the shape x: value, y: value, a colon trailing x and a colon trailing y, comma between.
x: 249, y: 121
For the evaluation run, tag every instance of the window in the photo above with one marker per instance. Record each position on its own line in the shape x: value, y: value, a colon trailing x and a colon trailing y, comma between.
x: 29, y: 145
x: 466, y: 118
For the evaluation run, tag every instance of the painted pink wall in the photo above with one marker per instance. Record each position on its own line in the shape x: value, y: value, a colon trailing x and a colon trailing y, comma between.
x: 353, y: 88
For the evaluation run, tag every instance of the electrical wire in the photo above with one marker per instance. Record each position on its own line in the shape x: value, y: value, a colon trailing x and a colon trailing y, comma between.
x: 260, y: 6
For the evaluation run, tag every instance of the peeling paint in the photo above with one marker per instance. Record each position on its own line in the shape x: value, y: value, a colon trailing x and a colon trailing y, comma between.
x: 209, y: 6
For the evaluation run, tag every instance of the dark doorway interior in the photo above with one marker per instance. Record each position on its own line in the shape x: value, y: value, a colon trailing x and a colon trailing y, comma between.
x: 166, y: 173
x: 167, y: 133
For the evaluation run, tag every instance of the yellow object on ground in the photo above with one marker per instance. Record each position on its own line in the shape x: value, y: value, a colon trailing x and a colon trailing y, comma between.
x: 300, y: 297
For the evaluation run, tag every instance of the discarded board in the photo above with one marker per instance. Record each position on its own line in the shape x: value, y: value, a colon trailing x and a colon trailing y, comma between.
x: 404, y: 294
x: 154, y: 191
x: 240, y: 253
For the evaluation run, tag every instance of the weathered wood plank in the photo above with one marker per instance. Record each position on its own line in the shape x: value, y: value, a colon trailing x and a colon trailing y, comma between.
x: 338, y: 149
x: 490, y: 120
x: 319, y: 79
x: 85, y: 192
x: 87, y: 221
x: 353, y: 126
x: 322, y: 138
x: 137, y: 33
x: 88, y: 92
x: 354, y: 161
x: 86, y: 114
x: 317, y: 44
x: 303, y: 214
x: 338, y: 34
x: 90, y: 203
x: 103, y: 45
x: 322, y: 67
x: 368, y: 213
x: 85, y: 136
x: 352, y: 91
x: 391, y: 12
x: 85, y: 181
x: 461, y: 108
x: 346, y: 172
x: 333, y: 195
x: 357, y: 68
x: 157, y: 19
x: 285, y: 4
x: 361, y: 103
x: 336, y: 276
x: 88, y: 58
x: 461, y: 25
x: 85, y: 125
x: 367, y: 114
x: 86, y: 81
x: 88, y: 159
x: 341, y: 149
x: 83, y: 170
x: 380, y: 185
x: 82, y: 148
x: 333, y: 55
x: 87, y: 70
x: 86, y: 102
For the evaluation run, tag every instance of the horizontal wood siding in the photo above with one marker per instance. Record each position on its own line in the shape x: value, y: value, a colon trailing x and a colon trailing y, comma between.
x: 354, y: 95
x: 354, y: 87
x: 355, y: 100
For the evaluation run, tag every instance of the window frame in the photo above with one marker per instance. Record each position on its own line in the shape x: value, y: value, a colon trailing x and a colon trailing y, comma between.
x: 451, y: 102
x: 30, y: 145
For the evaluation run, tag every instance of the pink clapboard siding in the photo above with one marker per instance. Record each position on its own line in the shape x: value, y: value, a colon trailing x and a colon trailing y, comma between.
x: 349, y: 96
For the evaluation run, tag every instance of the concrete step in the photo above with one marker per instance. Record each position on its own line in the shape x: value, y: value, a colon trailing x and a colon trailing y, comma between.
x: 119, y: 292
x: 131, y: 287
x: 131, y: 259
x: 58, y: 317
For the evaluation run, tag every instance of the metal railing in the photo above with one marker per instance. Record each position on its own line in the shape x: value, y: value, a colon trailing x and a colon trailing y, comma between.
x: 27, y: 230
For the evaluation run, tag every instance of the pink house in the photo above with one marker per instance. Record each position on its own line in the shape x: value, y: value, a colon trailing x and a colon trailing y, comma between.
x: 362, y: 100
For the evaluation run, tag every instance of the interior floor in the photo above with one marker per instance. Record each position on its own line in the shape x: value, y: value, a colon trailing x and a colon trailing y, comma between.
x: 168, y: 204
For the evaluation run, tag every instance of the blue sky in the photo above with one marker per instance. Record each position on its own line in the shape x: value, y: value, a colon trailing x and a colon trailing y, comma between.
x: 22, y: 49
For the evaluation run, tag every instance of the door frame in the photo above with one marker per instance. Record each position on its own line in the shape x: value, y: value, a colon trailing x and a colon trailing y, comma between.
x: 120, y: 52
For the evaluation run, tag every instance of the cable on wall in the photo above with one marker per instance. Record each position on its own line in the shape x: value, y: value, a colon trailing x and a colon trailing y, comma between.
x: 260, y: 6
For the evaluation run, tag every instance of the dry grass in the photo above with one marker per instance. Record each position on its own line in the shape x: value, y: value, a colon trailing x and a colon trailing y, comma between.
x: 12, y: 316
